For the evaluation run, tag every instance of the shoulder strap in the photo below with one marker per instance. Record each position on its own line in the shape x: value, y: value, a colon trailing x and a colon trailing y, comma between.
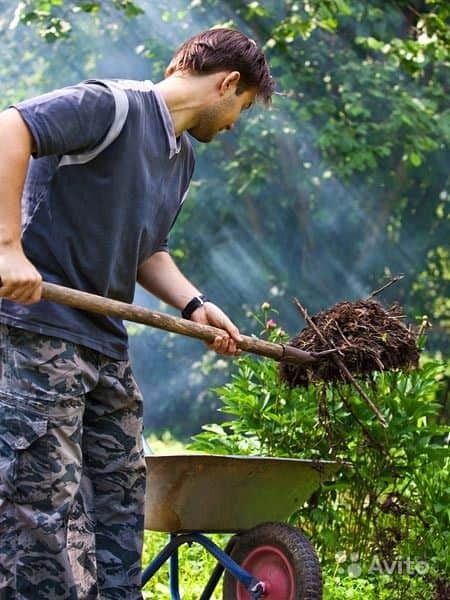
x: 122, y: 106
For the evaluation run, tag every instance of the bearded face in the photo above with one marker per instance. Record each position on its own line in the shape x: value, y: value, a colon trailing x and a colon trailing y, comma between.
x: 221, y: 115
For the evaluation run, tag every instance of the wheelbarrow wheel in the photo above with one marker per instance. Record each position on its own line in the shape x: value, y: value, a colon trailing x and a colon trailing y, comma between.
x: 282, y: 558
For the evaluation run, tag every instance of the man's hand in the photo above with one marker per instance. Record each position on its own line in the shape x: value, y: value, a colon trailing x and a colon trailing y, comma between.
x: 210, y: 314
x: 20, y: 281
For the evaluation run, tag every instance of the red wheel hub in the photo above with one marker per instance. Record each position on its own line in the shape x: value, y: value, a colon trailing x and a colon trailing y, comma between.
x: 271, y: 566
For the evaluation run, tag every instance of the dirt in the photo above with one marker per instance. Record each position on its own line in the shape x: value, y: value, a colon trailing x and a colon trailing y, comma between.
x: 368, y: 336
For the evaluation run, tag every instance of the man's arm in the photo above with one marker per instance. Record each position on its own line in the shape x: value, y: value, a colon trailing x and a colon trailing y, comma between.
x: 20, y: 281
x: 60, y: 122
x: 160, y: 276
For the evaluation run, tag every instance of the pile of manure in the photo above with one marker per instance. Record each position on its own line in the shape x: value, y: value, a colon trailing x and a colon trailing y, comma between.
x: 367, y: 338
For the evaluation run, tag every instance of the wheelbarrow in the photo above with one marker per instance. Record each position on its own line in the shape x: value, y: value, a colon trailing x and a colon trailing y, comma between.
x: 190, y: 495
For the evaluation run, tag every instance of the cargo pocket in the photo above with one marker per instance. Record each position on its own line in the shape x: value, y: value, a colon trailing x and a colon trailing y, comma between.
x: 25, y: 473
x: 43, y: 370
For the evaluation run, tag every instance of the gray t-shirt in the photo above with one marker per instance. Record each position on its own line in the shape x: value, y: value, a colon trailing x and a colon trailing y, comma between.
x: 102, y: 192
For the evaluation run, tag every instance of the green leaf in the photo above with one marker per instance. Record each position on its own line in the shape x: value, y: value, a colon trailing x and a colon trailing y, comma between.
x: 415, y: 159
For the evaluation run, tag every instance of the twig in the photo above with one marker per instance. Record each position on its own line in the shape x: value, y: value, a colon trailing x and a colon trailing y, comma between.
x: 365, y: 431
x: 388, y: 284
x: 323, y: 353
x: 342, y: 366
x: 350, y: 345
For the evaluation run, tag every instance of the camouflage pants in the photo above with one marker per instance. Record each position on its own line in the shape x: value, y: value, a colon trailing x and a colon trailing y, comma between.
x: 72, y: 472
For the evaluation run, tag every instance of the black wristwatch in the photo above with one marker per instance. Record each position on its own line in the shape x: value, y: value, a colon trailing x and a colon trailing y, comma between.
x: 192, y: 305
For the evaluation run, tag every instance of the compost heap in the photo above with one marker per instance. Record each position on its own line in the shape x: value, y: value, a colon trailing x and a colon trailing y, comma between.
x: 368, y: 336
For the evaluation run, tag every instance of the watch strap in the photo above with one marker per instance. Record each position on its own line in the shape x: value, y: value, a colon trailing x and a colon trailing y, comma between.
x: 192, y: 305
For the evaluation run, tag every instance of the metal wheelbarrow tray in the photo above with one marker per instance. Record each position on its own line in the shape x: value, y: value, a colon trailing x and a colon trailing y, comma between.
x: 216, y: 493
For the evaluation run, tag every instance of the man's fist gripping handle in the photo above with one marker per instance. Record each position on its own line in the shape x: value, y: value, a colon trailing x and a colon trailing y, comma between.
x: 19, y: 280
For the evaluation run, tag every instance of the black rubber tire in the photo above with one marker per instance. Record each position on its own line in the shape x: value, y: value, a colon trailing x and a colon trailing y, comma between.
x: 296, y: 548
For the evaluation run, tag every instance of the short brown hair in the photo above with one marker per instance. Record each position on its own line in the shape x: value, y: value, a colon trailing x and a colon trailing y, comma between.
x: 223, y: 49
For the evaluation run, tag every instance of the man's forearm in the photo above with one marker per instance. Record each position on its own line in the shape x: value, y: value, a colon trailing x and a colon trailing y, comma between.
x: 160, y: 276
x: 15, y: 150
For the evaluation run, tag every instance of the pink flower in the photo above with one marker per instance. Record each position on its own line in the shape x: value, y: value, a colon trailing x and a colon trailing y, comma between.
x: 271, y: 324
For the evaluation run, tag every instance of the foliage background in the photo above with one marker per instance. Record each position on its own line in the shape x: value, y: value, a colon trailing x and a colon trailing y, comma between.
x: 342, y: 182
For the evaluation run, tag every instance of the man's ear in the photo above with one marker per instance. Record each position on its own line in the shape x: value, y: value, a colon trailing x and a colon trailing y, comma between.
x: 229, y: 82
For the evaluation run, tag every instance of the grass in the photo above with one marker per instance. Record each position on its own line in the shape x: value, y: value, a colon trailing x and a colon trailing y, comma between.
x: 195, y: 566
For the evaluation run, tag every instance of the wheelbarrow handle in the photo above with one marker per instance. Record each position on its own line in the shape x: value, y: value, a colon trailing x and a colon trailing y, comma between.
x: 139, y: 314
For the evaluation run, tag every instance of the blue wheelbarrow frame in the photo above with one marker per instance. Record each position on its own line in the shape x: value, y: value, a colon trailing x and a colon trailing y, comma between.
x: 190, y: 495
x: 254, y: 587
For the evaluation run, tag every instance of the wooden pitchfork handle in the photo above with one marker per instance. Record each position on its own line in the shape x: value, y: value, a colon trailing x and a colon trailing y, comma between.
x: 139, y: 314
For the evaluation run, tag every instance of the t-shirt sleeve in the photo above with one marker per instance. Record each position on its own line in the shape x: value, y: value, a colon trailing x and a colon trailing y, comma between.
x: 68, y: 120
x: 164, y: 246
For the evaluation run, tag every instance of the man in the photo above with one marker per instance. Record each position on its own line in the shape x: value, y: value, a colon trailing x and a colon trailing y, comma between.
x: 111, y: 164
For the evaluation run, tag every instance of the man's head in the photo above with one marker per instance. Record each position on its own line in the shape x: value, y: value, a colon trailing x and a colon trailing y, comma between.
x: 217, y: 50
x: 236, y: 67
